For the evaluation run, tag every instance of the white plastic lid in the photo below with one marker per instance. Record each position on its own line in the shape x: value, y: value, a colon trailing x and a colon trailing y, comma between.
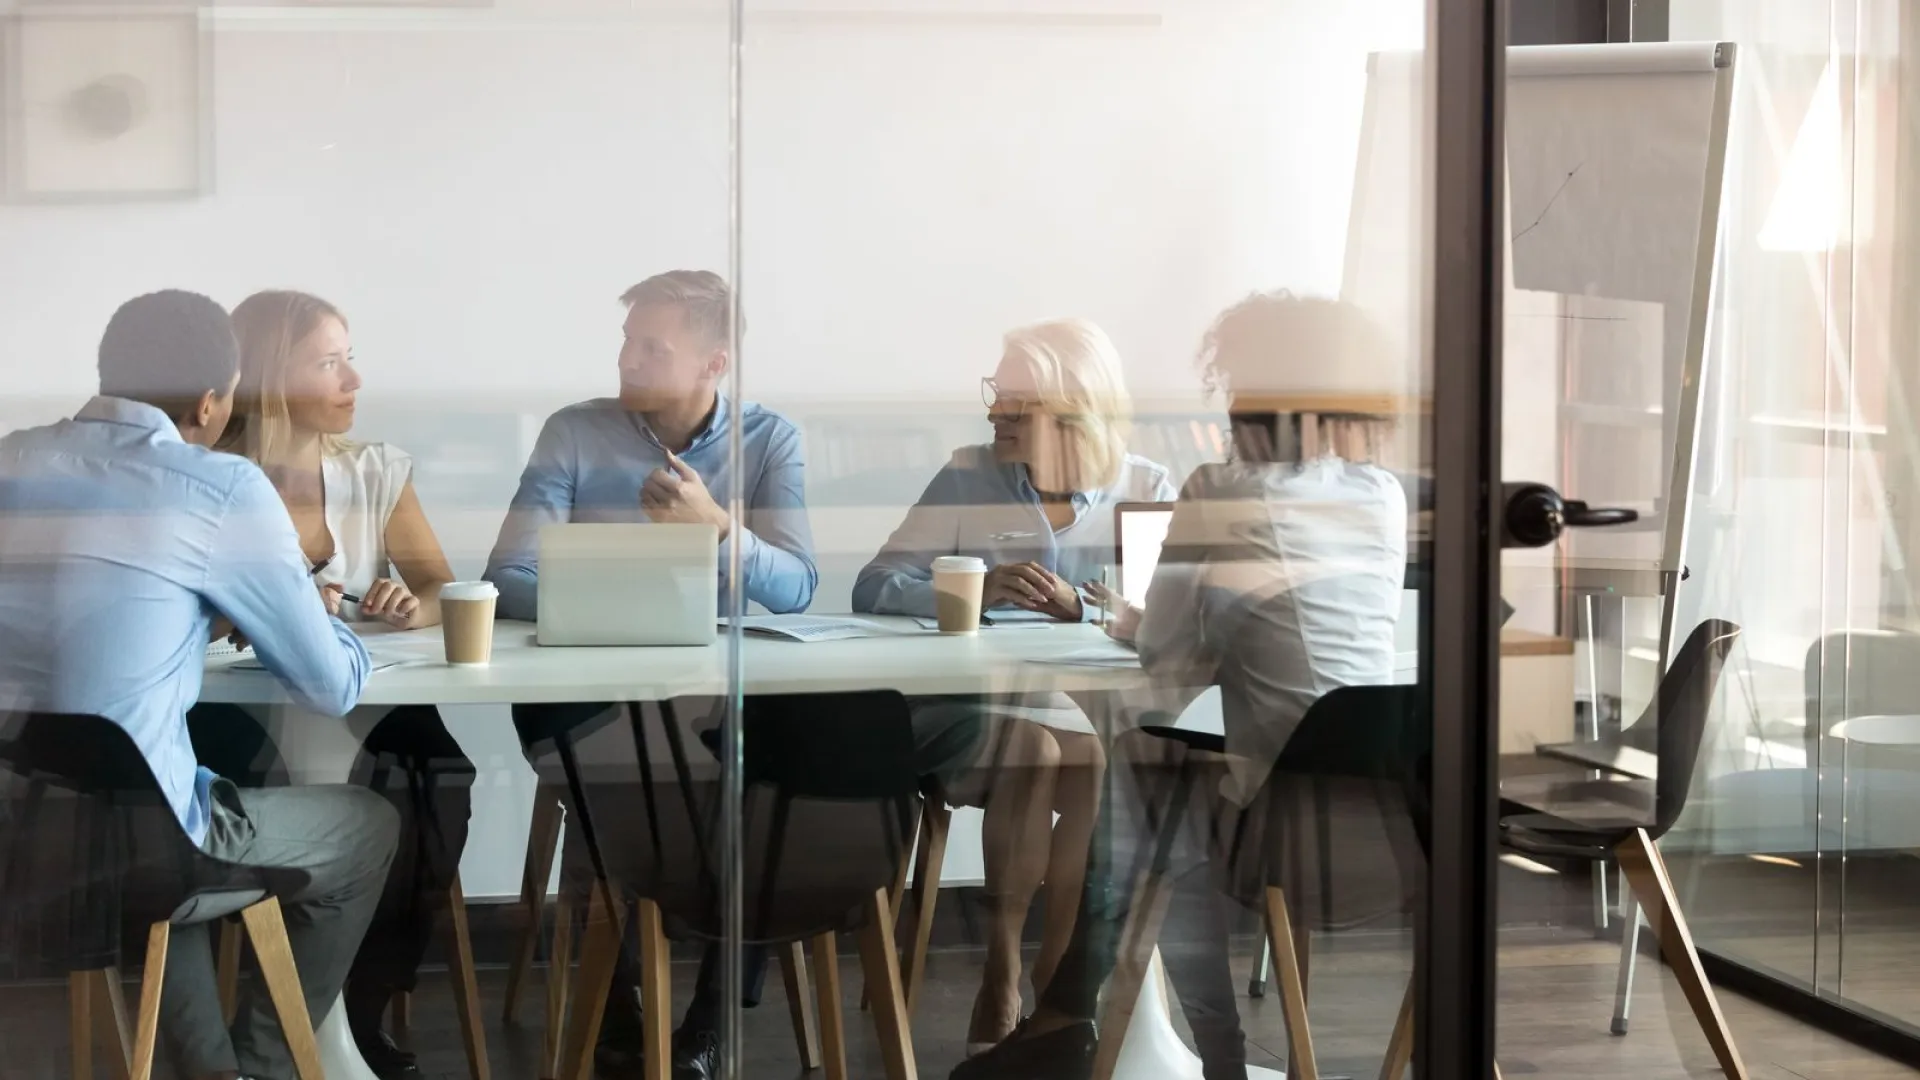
x: 469, y: 590
x: 959, y: 564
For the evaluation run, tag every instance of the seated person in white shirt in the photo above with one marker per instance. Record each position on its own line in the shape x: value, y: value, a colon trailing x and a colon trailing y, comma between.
x: 361, y: 525
x: 1037, y: 505
x: 1280, y: 581
x: 125, y: 545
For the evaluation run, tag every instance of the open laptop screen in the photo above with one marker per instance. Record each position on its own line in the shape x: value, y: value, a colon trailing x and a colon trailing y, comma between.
x: 1139, y: 529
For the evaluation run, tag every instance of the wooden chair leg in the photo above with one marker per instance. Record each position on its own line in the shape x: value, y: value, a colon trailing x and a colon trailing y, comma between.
x: 400, y: 1012
x: 543, y: 837
x: 1647, y: 872
x: 833, y: 1021
x: 111, y: 1028
x: 466, y: 984
x: 1137, y: 941
x: 882, y: 962
x: 228, y: 972
x: 935, y: 823
x: 559, y: 962
x: 599, y: 945
x: 80, y: 985
x: 793, y: 971
x: 268, y: 932
x: 1293, y: 985
x: 656, y: 992
x: 896, y: 894
x: 1400, y: 1043
x: 146, y: 1038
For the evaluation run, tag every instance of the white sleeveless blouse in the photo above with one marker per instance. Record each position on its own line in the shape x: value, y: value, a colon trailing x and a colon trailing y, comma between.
x: 362, y: 483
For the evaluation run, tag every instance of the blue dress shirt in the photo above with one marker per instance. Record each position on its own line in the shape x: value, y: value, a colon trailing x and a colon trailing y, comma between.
x: 119, y: 543
x: 976, y: 506
x: 590, y: 462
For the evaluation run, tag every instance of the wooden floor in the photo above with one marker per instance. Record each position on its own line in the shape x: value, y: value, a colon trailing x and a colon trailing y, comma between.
x: 1555, y: 999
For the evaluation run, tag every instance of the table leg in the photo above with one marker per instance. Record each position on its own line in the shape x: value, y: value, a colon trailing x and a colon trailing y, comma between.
x: 1153, y: 1050
x: 338, y: 1055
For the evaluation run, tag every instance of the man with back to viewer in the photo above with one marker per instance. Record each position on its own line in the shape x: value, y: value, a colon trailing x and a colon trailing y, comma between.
x: 125, y: 545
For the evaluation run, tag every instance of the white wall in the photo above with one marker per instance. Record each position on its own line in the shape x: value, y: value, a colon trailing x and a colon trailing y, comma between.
x: 475, y: 189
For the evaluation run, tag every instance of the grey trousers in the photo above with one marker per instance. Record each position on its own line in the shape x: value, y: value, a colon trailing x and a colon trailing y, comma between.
x: 343, y: 838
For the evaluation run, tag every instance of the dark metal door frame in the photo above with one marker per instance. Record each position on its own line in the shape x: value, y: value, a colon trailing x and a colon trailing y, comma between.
x: 1459, y: 616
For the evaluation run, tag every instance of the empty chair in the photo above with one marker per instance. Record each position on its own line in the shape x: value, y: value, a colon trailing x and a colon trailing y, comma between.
x: 832, y: 801
x: 1636, y: 814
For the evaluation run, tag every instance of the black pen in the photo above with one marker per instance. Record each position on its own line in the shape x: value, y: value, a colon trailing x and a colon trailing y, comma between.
x: 315, y: 572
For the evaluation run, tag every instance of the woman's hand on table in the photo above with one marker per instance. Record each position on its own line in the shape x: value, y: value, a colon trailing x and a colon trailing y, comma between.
x: 1031, y: 587
x: 390, y: 602
x: 1123, y: 619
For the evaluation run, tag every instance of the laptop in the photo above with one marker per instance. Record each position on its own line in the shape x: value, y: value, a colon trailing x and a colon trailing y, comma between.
x: 1139, y: 531
x: 648, y: 584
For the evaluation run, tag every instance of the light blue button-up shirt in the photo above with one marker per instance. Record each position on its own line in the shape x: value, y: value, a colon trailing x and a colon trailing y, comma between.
x: 119, y: 543
x: 590, y: 462
x: 976, y: 506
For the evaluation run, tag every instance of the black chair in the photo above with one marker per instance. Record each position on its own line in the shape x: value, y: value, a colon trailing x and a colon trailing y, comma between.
x: 131, y: 860
x: 832, y: 801
x: 1356, y: 747
x: 1624, y: 820
x: 554, y: 732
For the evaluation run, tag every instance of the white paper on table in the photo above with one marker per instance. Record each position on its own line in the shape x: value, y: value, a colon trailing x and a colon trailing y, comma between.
x: 996, y: 624
x: 810, y: 628
x: 385, y: 651
x: 1114, y: 656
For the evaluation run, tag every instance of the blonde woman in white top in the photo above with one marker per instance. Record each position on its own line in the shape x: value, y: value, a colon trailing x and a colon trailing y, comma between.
x: 377, y: 559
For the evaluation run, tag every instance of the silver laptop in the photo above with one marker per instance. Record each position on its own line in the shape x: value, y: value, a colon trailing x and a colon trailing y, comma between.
x: 628, y: 584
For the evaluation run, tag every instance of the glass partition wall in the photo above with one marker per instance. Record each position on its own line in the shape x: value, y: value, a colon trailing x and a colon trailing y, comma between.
x: 1803, y: 853
x: 1005, y: 267
x: 1084, y: 420
x: 467, y: 195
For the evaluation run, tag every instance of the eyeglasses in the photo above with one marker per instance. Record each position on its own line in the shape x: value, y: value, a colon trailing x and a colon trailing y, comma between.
x: 1005, y: 404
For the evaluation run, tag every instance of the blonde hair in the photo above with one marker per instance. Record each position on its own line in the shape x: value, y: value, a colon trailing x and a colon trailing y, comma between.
x: 1077, y: 370
x: 1274, y: 346
x: 704, y: 299
x: 269, y: 326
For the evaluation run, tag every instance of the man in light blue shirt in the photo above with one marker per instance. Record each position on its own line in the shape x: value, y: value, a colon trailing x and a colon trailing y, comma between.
x: 125, y: 545
x: 659, y: 452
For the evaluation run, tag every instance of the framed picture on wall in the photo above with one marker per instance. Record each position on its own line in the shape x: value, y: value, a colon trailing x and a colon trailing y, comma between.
x: 107, y: 107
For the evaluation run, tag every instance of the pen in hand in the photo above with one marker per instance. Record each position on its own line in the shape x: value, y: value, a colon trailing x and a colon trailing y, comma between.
x: 314, y: 571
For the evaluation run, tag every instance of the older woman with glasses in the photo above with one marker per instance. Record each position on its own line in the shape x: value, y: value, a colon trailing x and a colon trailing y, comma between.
x: 1036, y: 505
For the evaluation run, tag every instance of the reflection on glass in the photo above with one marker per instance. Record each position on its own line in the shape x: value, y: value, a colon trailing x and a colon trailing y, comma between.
x: 1803, y: 851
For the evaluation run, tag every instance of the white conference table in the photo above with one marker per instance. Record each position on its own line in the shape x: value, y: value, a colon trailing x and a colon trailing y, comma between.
x: 915, y: 662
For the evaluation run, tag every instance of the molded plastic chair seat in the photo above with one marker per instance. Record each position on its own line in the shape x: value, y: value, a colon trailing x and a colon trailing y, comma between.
x: 134, y: 861
x: 831, y: 805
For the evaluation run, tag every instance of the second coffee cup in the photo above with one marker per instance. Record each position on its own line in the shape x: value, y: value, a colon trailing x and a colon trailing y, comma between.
x: 958, y: 583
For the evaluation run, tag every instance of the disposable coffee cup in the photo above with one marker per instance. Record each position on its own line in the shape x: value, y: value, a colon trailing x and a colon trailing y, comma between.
x: 466, y: 621
x: 958, y: 581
